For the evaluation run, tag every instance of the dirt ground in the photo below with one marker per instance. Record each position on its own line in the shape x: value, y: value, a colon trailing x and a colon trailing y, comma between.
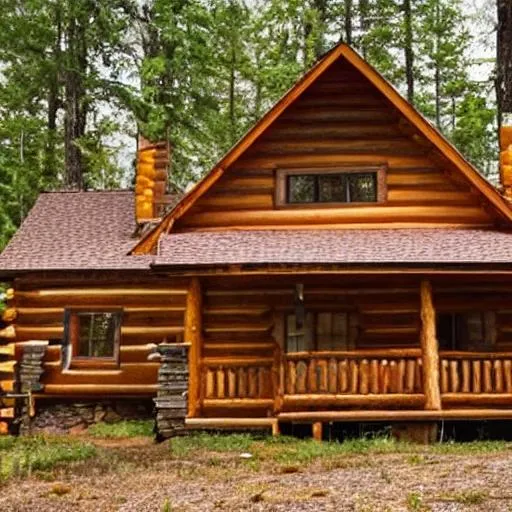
x: 137, y: 475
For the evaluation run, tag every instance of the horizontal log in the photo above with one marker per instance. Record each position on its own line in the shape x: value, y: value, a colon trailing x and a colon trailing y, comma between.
x: 141, y: 373
x: 86, y: 390
x: 306, y: 161
x: 236, y: 361
x: 25, y: 333
x: 361, y: 214
x: 446, y: 354
x: 421, y: 195
x: 335, y: 226
x: 7, y: 350
x: 95, y: 292
x: 340, y: 100
x: 238, y: 403
x: 7, y: 366
x: 7, y: 412
x: 398, y: 415
x: 247, y: 201
x: 319, y: 115
x: 478, y: 399
x: 229, y: 422
x: 378, y: 353
x: 353, y: 400
x: 324, y: 145
x: 286, y: 130
x: 239, y: 346
x: 251, y: 328
x: 413, y: 178
x: 241, y: 311
x: 6, y: 386
x: 8, y: 332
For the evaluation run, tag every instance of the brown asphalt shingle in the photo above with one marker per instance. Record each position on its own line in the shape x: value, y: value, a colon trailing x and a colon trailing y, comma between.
x: 358, y: 246
x: 76, y: 230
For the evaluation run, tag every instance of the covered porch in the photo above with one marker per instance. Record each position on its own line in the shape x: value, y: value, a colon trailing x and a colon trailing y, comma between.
x: 426, y: 348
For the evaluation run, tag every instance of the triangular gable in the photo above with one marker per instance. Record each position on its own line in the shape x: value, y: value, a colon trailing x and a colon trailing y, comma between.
x: 489, y: 194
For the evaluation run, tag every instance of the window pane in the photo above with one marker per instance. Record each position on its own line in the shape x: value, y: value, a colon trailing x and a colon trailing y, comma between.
x: 332, y: 188
x: 362, y: 188
x: 97, y: 333
x: 301, y: 189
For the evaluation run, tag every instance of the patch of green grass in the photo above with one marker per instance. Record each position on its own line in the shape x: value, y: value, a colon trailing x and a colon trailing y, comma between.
x: 415, y: 503
x: 474, y: 447
x: 182, y: 446
x: 128, y: 428
x: 26, y: 455
x: 304, y: 451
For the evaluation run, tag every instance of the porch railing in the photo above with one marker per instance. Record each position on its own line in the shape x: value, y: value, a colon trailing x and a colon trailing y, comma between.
x: 249, y: 379
x: 476, y: 373
x: 363, y: 372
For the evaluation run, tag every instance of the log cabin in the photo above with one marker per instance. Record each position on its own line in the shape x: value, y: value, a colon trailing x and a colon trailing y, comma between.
x: 343, y: 262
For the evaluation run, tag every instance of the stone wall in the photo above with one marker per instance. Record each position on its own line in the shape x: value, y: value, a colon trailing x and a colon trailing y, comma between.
x: 171, y: 401
x: 73, y: 417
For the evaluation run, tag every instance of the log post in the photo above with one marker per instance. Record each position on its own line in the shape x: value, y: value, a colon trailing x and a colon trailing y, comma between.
x: 429, y: 349
x: 193, y: 336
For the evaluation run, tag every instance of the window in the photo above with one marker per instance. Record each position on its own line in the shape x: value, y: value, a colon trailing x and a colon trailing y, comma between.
x: 92, y: 337
x: 321, y: 331
x: 466, y: 330
x: 306, y: 187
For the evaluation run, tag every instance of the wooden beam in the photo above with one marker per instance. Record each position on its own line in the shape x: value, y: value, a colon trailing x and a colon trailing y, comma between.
x: 353, y: 400
x: 394, y: 416
x: 429, y: 349
x: 317, y: 430
x: 238, y: 403
x: 85, y: 390
x: 230, y: 422
x: 193, y: 335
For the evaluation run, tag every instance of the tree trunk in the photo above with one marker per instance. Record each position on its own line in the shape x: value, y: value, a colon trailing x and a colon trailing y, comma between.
x: 232, y: 99
x: 437, y: 70
x: 321, y: 9
x: 53, y: 101
x: 74, y: 103
x: 504, y: 58
x: 348, y: 22
x: 408, y: 50
x: 364, y: 14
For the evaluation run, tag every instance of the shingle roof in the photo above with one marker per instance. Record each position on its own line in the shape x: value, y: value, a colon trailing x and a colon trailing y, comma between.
x: 74, y: 231
x: 386, y: 246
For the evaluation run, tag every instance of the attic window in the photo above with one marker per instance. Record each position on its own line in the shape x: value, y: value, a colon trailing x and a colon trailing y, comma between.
x: 328, y: 187
x: 92, y: 337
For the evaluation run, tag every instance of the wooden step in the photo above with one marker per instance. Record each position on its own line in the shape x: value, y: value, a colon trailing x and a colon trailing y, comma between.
x: 7, y: 350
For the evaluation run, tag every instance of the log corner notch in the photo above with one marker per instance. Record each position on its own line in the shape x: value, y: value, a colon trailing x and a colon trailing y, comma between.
x: 429, y: 349
x: 193, y: 337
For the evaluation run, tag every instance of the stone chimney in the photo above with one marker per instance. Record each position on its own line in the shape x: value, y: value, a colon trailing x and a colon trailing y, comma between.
x: 151, y: 179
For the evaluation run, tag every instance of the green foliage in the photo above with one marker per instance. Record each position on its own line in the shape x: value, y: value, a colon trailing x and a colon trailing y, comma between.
x: 22, y: 456
x: 120, y: 429
x: 200, y: 73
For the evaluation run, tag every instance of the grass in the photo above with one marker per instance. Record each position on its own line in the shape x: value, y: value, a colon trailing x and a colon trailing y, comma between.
x: 122, y: 429
x: 20, y: 457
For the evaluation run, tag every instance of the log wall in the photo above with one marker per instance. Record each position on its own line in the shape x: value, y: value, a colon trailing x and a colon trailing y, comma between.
x: 340, y: 121
x: 152, y: 310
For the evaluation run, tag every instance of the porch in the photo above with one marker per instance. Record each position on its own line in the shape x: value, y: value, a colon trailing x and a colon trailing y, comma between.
x: 419, y: 382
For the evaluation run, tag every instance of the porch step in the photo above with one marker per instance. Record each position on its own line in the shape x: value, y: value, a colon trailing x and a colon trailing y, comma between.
x: 400, y: 415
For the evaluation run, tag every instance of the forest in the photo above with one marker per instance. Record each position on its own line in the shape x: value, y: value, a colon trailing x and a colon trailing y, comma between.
x: 81, y: 79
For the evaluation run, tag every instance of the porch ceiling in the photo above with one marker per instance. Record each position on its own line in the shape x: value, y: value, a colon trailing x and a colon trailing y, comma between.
x: 354, y: 246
